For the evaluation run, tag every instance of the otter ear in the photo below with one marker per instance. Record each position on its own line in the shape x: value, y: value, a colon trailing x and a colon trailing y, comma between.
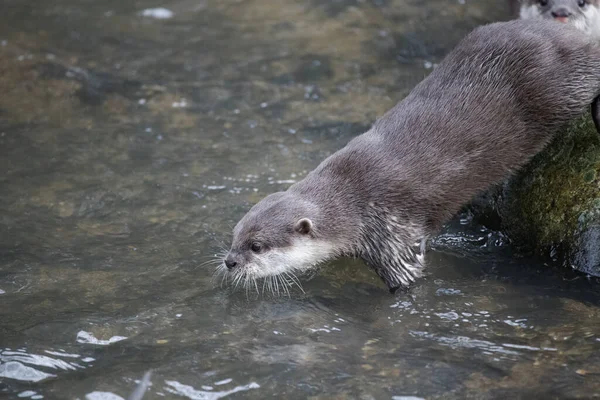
x: 303, y: 226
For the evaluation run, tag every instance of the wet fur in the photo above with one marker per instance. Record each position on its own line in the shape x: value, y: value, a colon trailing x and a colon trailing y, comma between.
x: 493, y: 103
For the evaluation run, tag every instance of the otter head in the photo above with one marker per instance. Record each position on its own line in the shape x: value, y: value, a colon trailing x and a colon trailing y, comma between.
x: 583, y: 14
x: 279, y: 235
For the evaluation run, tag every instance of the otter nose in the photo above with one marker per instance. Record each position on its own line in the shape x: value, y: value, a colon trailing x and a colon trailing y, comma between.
x: 561, y: 13
x: 230, y: 263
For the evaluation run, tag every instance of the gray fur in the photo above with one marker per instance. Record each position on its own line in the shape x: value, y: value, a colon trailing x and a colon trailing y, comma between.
x: 583, y: 14
x: 494, y: 102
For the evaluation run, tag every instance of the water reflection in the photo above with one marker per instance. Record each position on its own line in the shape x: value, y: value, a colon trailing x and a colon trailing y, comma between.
x: 132, y: 140
x: 208, y: 392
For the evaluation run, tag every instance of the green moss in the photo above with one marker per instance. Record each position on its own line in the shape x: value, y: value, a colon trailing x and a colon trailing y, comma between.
x: 590, y: 176
x: 552, y: 198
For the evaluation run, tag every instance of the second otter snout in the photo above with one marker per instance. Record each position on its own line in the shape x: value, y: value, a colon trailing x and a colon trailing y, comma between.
x: 561, y: 14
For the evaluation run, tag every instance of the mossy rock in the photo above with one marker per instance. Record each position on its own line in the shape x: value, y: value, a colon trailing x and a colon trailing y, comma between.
x: 552, y: 206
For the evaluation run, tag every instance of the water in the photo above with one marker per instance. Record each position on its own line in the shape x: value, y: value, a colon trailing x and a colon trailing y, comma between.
x: 134, y: 135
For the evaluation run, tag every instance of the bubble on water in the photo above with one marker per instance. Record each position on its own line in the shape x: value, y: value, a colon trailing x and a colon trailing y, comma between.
x: 2, y: 291
x: 515, y: 324
x: 452, y: 316
x: 179, y: 104
x: 447, y: 292
x: 403, y: 305
x: 158, y: 13
x: 326, y: 329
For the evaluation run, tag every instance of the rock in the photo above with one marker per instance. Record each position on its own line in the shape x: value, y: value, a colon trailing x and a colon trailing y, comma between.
x: 552, y: 206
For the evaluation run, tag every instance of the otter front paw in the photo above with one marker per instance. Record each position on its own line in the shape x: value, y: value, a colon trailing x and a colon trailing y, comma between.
x: 398, y: 278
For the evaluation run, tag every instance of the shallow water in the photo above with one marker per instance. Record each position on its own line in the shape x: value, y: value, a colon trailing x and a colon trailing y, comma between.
x: 129, y: 147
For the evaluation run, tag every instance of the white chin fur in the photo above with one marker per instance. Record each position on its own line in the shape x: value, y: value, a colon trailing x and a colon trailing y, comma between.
x: 592, y: 16
x: 301, y: 256
x: 529, y: 12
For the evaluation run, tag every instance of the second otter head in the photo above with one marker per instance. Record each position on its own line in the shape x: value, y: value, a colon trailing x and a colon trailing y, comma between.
x: 279, y: 235
x: 581, y: 13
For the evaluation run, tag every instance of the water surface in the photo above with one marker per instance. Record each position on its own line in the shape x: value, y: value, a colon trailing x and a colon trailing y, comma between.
x: 131, y: 144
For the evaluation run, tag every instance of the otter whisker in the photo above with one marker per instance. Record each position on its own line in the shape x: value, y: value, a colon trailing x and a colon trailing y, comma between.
x: 225, y: 278
x: 264, y: 284
x: 295, y: 280
x: 272, y: 284
x: 285, y: 284
x: 214, y: 262
x: 276, y: 283
x: 237, y: 279
x: 255, y: 285
x: 279, y: 282
x: 220, y: 270
x: 247, y: 287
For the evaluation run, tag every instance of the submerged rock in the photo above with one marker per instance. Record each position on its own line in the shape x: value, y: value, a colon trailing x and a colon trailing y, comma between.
x: 552, y: 206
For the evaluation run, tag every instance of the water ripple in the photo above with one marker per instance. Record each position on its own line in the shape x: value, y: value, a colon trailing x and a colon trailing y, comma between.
x: 23, y: 366
x: 193, y: 394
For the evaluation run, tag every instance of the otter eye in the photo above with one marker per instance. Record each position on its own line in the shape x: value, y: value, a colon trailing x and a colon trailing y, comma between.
x: 543, y: 3
x: 256, y: 247
x: 582, y: 3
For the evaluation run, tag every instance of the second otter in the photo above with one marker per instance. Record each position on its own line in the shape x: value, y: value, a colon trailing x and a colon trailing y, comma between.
x: 493, y: 103
x: 582, y: 14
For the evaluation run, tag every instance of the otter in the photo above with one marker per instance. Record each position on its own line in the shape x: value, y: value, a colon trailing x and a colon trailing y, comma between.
x: 583, y: 14
x: 493, y: 102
